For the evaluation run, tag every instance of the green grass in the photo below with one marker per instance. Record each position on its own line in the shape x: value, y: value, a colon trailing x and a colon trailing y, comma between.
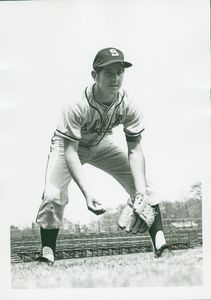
x: 131, y: 270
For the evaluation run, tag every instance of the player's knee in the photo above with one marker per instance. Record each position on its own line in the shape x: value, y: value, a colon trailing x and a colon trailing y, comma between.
x: 51, y: 193
x: 53, y: 196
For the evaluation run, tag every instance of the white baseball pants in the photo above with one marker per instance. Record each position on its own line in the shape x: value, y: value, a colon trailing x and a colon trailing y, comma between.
x: 106, y: 155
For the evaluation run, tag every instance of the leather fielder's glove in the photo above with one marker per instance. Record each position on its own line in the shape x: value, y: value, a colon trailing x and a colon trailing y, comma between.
x: 143, y: 209
x: 137, y: 216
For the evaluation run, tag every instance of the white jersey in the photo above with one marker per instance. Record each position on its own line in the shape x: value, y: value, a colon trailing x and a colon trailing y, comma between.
x: 89, y: 121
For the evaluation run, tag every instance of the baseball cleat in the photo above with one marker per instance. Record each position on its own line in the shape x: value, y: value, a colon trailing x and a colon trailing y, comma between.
x: 42, y: 259
x: 164, y: 251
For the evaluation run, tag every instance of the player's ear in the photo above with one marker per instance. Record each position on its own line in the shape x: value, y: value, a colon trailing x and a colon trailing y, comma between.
x: 94, y: 75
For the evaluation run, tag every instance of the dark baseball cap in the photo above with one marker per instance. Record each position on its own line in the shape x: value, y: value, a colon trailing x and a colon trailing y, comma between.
x: 109, y: 56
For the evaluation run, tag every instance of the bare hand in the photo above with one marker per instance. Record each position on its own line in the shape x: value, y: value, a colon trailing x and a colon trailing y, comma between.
x: 95, y: 206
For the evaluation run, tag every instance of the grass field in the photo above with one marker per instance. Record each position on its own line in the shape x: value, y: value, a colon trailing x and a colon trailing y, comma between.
x: 131, y: 270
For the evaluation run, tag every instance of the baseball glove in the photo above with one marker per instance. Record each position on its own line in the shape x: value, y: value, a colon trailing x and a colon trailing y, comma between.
x: 127, y: 218
x: 143, y: 209
x: 137, y: 216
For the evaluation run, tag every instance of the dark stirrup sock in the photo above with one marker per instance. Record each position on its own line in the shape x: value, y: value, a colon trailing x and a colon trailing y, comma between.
x: 156, y: 226
x: 48, y: 237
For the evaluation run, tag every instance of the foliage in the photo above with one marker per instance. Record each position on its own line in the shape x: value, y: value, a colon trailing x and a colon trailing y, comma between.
x: 190, y: 207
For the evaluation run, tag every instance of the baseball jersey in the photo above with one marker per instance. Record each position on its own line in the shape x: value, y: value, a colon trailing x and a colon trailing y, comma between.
x: 89, y: 121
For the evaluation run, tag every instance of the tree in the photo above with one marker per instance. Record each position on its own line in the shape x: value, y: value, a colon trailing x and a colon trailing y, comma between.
x: 196, y: 191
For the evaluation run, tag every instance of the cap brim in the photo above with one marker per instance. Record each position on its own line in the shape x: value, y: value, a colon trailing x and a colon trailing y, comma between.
x: 125, y: 63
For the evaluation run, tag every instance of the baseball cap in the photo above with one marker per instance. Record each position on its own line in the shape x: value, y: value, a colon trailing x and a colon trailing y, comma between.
x: 109, y: 56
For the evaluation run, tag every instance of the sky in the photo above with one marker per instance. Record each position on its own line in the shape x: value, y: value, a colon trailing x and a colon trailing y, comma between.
x: 46, y: 54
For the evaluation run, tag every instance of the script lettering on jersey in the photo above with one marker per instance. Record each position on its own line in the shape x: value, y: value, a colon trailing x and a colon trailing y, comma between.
x: 99, y: 127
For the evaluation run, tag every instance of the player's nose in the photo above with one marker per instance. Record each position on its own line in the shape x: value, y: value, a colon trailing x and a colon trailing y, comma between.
x: 115, y: 78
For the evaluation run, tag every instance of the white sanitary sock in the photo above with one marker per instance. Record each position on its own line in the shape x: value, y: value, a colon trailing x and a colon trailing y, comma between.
x: 48, y: 253
x: 159, y: 239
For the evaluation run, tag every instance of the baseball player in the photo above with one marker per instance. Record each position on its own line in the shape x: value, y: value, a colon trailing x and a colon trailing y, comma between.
x: 83, y: 135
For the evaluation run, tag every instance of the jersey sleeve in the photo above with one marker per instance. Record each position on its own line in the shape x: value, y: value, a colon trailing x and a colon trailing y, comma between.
x: 69, y: 125
x: 133, y: 122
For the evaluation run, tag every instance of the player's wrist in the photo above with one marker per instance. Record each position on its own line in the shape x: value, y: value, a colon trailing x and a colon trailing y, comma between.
x: 141, y: 193
x: 87, y: 195
x: 135, y: 196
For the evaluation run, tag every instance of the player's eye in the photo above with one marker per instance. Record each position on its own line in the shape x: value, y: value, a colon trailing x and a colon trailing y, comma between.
x: 108, y: 73
x: 115, y: 73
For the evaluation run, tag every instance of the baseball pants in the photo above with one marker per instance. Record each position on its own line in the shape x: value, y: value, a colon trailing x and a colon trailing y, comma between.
x: 106, y: 156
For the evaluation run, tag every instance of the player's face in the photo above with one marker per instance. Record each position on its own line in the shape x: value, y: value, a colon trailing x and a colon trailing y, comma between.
x: 110, y: 78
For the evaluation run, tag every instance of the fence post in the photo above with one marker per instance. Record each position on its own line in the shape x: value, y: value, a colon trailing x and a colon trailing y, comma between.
x: 168, y: 222
x: 79, y: 230
x: 98, y: 223
x: 189, y: 239
x: 96, y: 244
